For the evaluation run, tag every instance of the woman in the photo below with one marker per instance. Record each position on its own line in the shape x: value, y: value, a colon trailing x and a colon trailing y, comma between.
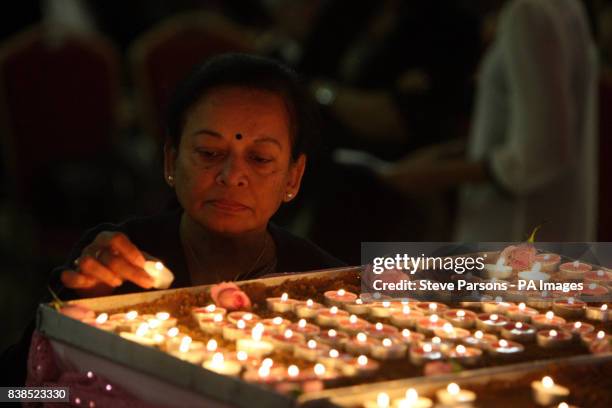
x: 236, y: 151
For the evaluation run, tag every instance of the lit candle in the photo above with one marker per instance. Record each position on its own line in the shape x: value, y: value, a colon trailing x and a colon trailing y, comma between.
x: 304, y: 328
x: 465, y: 355
x: 248, y: 317
x: 461, y: 318
x: 383, y: 309
x: 412, y: 400
x: 281, y: 304
x: 361, y: 343
x: 425, y: 352
x: 255, y: 346
x: 307, y: 309
x: 333, y: 338
x: 329, y: 317
x: 388, y: 349
x: 406, y: 317
x: 505, y: 348
x: 589, y: 338
x: 569, y: 308
x: 360, y: 366
x: 451, y: 334
x: 546, y: 392
x: 382, y: 401
x: 554, y: 338
x: 491, y: 323
x: 310, y: 351
x: 431, y: 308
x: 597, y: 313
x: 219, y: 365
x: 592, y: 292
x: 411, y: 337
x: 102, y: 322
x: 213, y: 325
x: 549, y: 262
x: 162, y: 276
x: 521, y: 313
x: 194, y: 354
x: 275, y: 325
x: 165, y: 320
x: 578, y: 329
x: 144, y: 336
x: 334, y: 359
x: 287, y: 341
x: 239, y: 330
x: 427, y: 325
x: 499, y: 270
x: 497, y: 306
x: 574, y: 270
x: 599, y: 276
x: 352, y: 324
x: 339, y: 297
x: 380, y: 330
x: 518, y: 331
x: 454, y: 395
x: 547, y: 321
x: 207, y: 312
x: 480, y: 339
x: 358, y: 307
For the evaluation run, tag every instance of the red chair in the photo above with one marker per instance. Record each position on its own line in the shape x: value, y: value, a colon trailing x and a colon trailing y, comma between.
x: 58, y: 97
x: 164, y: 55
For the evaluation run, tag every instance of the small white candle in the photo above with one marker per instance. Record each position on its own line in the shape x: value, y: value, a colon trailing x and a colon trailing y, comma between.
x: 382, y: 401
x: 554, y: 338
x: 219, y: 365
x: 308, y: 309
x: 339, y: 297
x: 454, y: 395
x: 546, y: 392
x: 597, y: 313
x: 412, y: 400
x: 162, y: 276
x: 547, y: 321
x: 255, y: 346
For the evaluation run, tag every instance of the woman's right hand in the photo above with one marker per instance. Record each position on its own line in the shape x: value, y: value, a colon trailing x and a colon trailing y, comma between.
x: 104, y: 265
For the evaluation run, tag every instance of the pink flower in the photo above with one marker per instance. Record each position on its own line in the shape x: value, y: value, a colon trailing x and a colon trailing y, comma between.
x: 520, y: 257
x: 229, y: 296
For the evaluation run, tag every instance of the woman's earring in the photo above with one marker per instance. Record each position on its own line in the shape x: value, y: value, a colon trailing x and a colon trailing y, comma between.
x: 171, y: 180
x: 289, y: 196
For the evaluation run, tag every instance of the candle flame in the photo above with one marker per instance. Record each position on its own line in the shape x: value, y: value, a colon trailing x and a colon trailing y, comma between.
x: 312, y: 344
x: 519, y: 325
x: 353, y: 319
x: 257, y: 332
x: 433, y: 307
x: 387, y: 342
x: 131, y: 315
x: 268, y: 362
x: 154, y: 323
x: 382, y: 400
x: 576, y: 264
x: 341, y: 292
x: 604, y: 308
x: 302, y: 323
x: 240, y: 324
x: 406, y: 333
x: 142, y: 330
x: 453, y: 389
x: 319, y: 370
x: 159, y: 266
x: 601, y: 334
x: 242, y: 355
x: 563, y: 405
x: 277, y: 320
x: 264, y: 371
x: 163, y: 316
x: 448, y: 328
x: 211, y: 308
x: 361, y: 337
x: 362, y: 360
x: 550, y: 315
x: 102, y: 318
x: 412, y: 396
x: 173, y: 332
x: 333, y: 353
x: 378, y: 326
x: 358, y: 301
x: 288, y: 333
x: 386, y: 304
x: 333, y: 310
x: 218, y: 318
x: 521, y: 306
x: 493, y: 317
x: 211, y: 345
x: 185, y: 344
x: 293, y: 371
x: 406, y: 310
x: 427, y: 348
x: 436, y: 340
x: 217, y: 359
x: 247, y: 316
x: 460, y: 313
x: 331, y: 333
x: 433, y: 318
x: 553, y: 333
x: 284, y: 297
x: 547, y: 382
x: 460, y: 349
x: 478, y: 334
x: 503, y: 343
x: 309, y: 303
x: 577, y: 325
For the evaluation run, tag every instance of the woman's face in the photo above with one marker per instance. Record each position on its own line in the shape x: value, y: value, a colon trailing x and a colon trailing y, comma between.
x: 233, y: 167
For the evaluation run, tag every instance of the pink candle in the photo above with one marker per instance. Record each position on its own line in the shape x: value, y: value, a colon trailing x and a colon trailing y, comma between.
x: 589, y: 338
x: 593, y: 290
x: 598, y: 276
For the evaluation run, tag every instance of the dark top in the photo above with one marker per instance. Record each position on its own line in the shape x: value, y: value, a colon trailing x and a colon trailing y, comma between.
x: 159, y: 236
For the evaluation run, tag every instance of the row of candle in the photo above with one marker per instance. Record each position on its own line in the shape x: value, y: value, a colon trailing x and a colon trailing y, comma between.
x: 545, y: 393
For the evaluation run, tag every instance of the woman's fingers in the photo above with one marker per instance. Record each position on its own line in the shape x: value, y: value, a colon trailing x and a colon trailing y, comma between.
x: 126, y: 270
x: 120, y: 243
x: 74, y: 280
x: 92, y: 267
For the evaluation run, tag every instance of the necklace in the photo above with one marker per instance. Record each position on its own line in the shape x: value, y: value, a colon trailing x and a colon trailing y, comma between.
x: 239, y: 274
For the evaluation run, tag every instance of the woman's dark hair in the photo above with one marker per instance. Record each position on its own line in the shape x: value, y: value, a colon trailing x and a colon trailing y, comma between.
x: 252, y: 72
